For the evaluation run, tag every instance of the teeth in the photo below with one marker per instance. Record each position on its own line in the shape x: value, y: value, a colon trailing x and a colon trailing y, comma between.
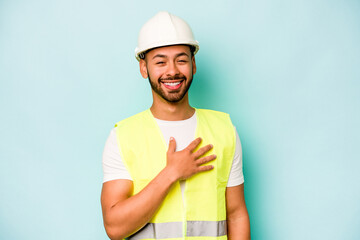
x: 172, y: 83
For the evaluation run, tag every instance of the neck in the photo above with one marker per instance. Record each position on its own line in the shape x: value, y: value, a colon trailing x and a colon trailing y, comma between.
x: 161, y: 109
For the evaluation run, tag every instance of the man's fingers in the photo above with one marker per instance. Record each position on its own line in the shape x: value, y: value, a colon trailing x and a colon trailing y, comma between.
x: 205, y: 168
x: 202, y: 151
x: 172, y: 145
x: 194, y: 144
x: 206, y: 159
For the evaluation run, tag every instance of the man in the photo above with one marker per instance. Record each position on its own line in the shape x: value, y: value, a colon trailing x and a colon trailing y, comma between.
x: 173, y: 171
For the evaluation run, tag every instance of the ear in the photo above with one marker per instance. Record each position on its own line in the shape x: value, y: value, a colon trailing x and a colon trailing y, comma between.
x: 193, y: 64
x: 143, y: 69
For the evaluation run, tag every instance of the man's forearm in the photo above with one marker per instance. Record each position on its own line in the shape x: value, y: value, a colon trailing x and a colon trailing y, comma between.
x: 129, y: 215
x: 239, y: 228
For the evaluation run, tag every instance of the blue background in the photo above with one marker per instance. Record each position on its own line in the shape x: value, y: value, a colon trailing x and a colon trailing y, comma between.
x: 287, y: 72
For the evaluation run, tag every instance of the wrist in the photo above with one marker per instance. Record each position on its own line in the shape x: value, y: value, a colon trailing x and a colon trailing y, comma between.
x: 170, y: 174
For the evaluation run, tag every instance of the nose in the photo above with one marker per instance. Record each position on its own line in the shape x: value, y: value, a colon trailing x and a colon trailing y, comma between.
x: 172, y: 69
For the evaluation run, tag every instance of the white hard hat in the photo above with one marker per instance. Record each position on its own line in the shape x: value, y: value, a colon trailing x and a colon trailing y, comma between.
x: 164, y: 29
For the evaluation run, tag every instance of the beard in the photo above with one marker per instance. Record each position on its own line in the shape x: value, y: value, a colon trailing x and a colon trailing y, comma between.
x: 172, y: 96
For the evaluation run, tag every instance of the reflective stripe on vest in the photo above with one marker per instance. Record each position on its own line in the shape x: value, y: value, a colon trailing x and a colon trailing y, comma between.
x: 174, y: 230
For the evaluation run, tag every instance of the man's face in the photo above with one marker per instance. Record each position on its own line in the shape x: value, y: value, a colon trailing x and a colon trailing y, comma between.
x: 170, y: 71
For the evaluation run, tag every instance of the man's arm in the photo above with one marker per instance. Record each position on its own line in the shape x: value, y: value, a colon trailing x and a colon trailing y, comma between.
x: 124, y: 214
x: 238, y: 223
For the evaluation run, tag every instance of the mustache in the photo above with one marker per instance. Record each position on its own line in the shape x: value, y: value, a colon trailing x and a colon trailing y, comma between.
x: 175, y: 77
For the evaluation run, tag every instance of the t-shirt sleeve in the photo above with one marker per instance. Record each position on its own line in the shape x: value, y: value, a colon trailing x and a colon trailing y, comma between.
x: 113, y: 166
x: 236, y: 176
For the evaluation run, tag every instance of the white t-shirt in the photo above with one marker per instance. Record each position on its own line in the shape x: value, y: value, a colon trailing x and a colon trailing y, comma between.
x: 184, y: 132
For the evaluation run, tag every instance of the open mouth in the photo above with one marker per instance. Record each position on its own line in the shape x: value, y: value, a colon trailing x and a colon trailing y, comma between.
x: 172, y: 85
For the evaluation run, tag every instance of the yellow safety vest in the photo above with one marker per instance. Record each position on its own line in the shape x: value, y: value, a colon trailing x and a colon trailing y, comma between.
x: 203, y: 214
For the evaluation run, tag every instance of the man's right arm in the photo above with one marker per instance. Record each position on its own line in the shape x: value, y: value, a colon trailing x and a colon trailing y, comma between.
x: 125, y: 213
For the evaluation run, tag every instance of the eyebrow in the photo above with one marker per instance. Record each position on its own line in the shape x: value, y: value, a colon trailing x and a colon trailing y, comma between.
x: 159, y: 55
x: 182, y: 54
x: 177, y: 55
